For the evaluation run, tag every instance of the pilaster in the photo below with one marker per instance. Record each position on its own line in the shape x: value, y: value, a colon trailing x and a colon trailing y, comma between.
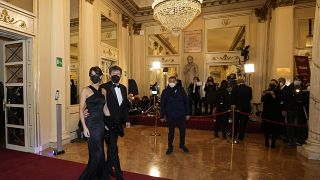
x: 311, y: 150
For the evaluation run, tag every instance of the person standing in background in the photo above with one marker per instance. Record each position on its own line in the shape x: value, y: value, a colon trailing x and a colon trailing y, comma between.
x: 271, y: 112
x: 174, y: 109
x: 194, y: 95
x: 210, y: 93
x: 241, y: 98
x: 222, y: 104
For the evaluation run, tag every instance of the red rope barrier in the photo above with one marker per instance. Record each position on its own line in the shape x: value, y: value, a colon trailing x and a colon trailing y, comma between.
x: 208, y: 116
x: 217, y: 114
x: 274, y: 122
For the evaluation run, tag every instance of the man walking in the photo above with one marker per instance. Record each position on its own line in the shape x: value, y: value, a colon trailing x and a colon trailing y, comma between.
x: 174, y: 109
x: 118, y: 106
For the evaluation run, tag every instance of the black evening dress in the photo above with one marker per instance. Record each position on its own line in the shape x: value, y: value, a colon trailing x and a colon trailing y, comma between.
x: 95, y: 169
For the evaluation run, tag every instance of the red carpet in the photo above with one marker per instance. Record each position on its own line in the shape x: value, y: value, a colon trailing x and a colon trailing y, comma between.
x: 16, y: 165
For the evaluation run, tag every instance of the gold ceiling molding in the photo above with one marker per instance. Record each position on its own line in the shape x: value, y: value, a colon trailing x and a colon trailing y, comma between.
x: 261, y: 14
x: 136, y: 28
x: 225, y: 22
x: 167, y: 60
x: 125, y: 20
x: 225, y: 57
x: 90, y: 1
x: 5, y: 17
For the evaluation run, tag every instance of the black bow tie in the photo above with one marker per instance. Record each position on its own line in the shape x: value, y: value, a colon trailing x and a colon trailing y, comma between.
x: 116, y: 86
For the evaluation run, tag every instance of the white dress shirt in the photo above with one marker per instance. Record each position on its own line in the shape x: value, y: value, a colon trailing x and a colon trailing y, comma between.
x: 119, y: 95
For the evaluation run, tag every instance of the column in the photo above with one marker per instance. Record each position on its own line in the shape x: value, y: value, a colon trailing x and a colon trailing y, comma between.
x: 281, y: 46
x: 89, y: 28
x: 60, y: 34
x: 311, y: 150
x: 124, y: 39
x: 260, y: 63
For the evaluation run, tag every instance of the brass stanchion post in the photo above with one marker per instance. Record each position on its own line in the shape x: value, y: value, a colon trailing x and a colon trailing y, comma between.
x: 155, y: 108
x: 233, y: 141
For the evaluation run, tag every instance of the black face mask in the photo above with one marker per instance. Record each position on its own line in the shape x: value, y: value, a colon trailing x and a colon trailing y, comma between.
x: 115, y: 79
x: 95, y: 78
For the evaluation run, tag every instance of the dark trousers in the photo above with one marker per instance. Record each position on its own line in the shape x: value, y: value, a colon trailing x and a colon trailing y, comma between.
x: 240, y: 125
x: 194, y: 106
x: 273, y: 130
x: 172, y: 123
x: 206, y: 108
x: 296, y: 133
x: 222, y: 120
x: 111, y: 139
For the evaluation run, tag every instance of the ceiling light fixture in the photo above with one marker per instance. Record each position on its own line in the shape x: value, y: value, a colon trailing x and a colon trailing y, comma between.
x: 176, y: 14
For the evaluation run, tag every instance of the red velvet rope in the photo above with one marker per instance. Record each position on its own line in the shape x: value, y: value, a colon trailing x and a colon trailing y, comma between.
x: 274, y: 122
x: 217, y: 114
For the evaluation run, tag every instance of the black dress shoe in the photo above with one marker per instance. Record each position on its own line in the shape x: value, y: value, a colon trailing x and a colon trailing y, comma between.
x: 119, y: 177
x: 185, y: 149
x: 169, y: 151
x: 216, y: 135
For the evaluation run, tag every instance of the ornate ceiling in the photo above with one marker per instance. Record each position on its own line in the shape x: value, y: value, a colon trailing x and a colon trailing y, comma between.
x: 142, y: 3
x: 141, y: 11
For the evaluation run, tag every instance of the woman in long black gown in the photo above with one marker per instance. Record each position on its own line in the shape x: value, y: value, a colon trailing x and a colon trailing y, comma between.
x: 93, y: 127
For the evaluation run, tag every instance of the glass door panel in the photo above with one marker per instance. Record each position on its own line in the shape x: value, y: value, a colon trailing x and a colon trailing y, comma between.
x: 15, y: 95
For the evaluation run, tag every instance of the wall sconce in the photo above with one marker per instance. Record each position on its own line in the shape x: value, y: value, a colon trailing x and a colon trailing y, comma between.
x: 156, y: 65
x: 309, y: 36
x: 249, y: 68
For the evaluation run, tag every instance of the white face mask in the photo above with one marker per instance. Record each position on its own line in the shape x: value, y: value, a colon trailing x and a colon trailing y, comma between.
x: 172, y: 84
x: 308, y: 88
x: 297, y: 83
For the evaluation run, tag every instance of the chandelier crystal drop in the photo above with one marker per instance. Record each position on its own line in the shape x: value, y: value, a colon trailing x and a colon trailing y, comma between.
x: 176, y: 14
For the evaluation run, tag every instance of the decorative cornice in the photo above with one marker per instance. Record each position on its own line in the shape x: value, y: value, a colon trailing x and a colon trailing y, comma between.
x: 5, y: 17
x: 167, y: 60
x: 125, y: 20
x: 225, y: 22
x: 136, y: 28
x: 282, y: 3
x: 261, y: 14
x: 225, y: 57
x: 90, y: 1
x: 279, y: 3
x: 136, y: 11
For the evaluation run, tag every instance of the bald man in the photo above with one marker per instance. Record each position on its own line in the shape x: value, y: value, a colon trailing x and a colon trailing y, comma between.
x: 242, y: 95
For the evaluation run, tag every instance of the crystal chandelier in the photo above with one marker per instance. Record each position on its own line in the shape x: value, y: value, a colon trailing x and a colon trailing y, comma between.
x: 176, y: 14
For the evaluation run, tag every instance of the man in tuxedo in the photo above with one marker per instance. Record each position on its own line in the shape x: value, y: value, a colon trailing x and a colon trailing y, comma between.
x: 118, y: 104
x: 241, y: 98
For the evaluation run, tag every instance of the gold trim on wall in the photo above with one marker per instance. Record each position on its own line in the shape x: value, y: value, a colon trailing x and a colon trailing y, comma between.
x: 90, y: 1
x: 225, y: 58
x: 5, y: 17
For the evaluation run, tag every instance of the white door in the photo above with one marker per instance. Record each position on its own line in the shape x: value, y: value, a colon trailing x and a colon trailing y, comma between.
x: 16, y: 123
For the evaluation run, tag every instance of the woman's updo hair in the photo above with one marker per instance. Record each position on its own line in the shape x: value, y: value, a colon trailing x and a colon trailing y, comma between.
x: 97, y: 70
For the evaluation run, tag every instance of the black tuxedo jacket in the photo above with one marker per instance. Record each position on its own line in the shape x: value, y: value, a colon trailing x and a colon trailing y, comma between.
x: 242, y: 95
x: 118, y: 113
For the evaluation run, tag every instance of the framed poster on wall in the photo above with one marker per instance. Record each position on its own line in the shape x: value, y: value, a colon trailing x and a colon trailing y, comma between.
x: 192, y: 41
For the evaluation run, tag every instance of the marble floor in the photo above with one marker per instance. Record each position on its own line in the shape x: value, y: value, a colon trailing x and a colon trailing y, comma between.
x: 209, y: 157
